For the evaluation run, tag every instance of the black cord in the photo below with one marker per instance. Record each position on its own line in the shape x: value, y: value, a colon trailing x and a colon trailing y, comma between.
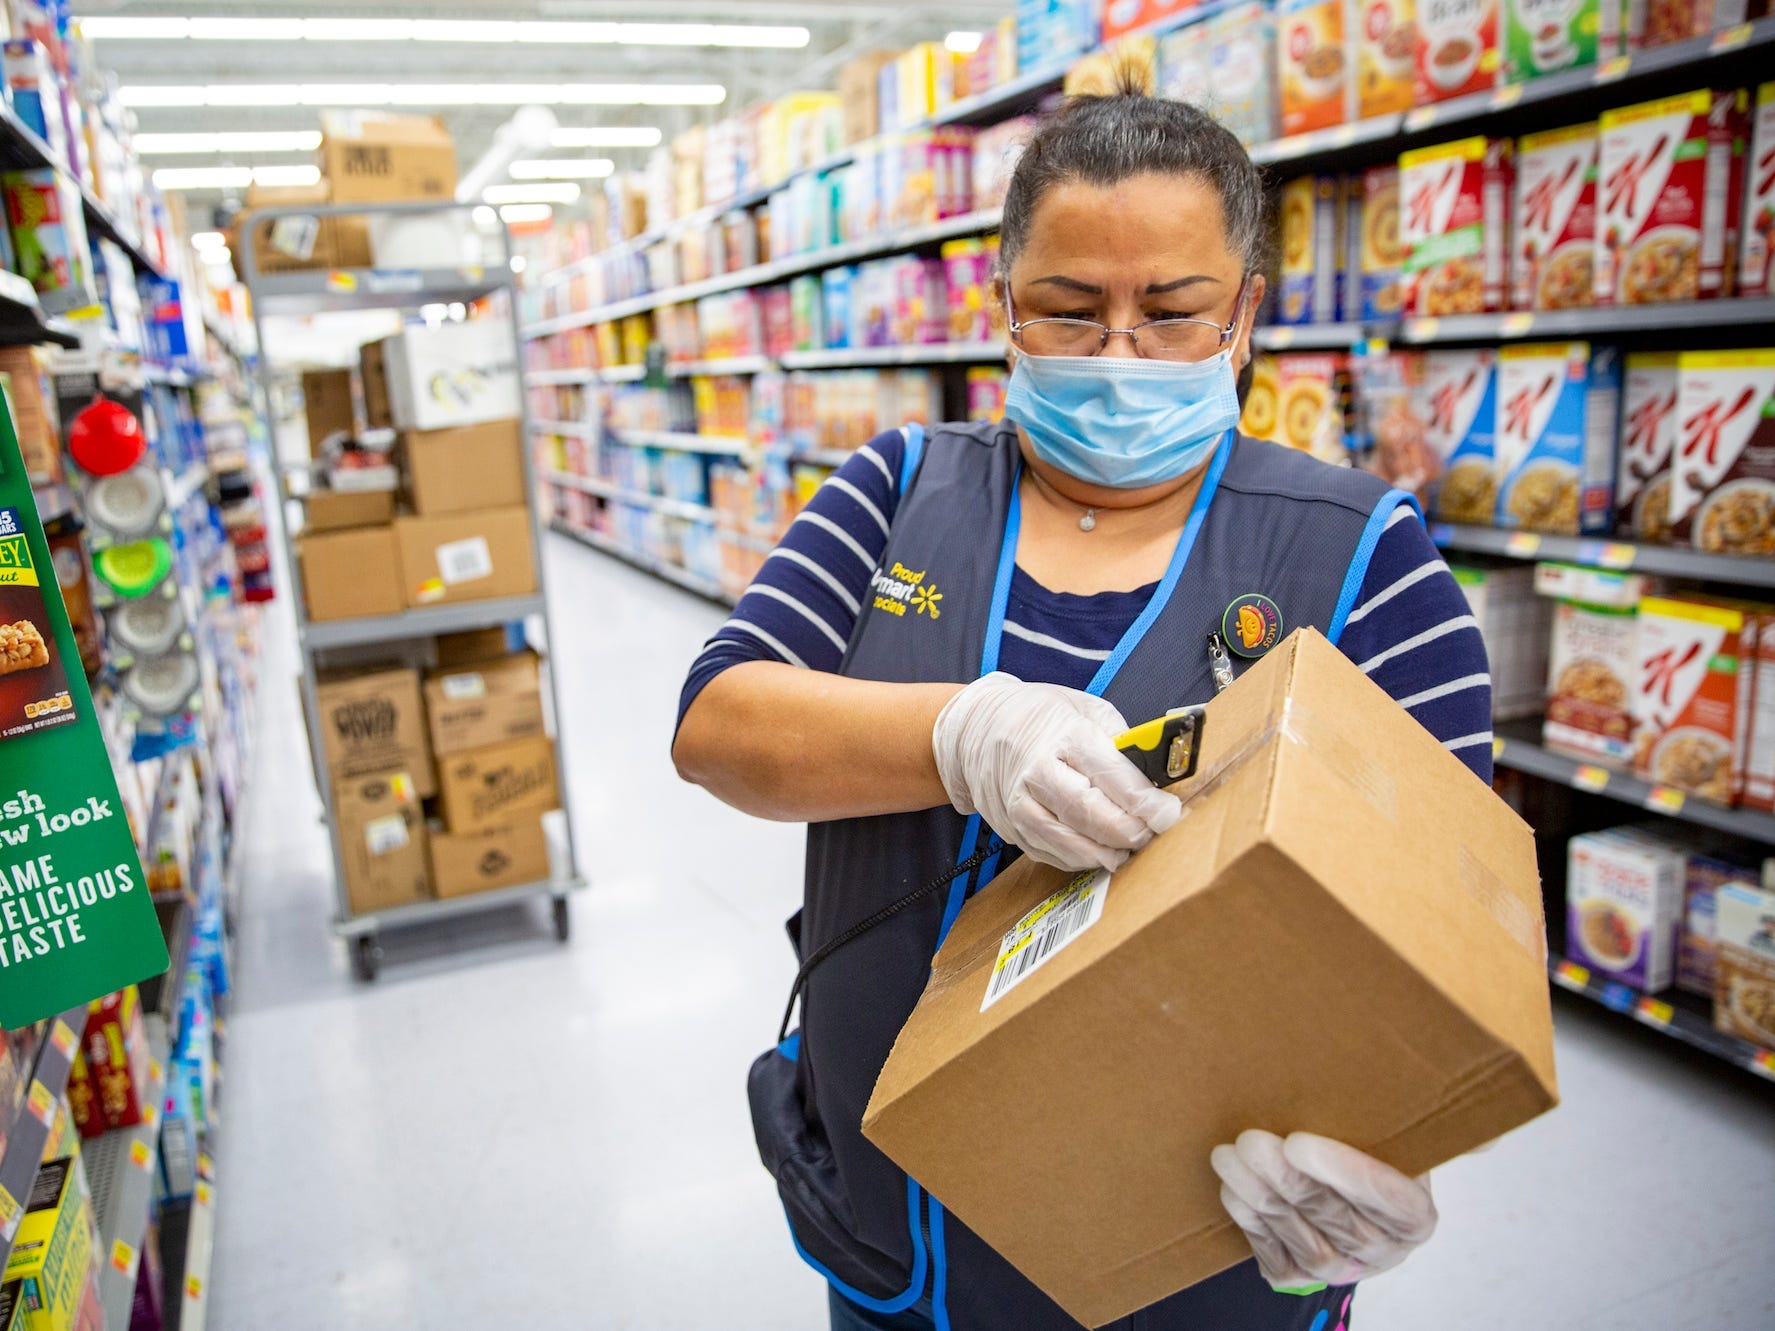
x: 856, y: 931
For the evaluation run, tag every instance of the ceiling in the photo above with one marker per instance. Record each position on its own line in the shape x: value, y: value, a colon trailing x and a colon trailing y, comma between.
x: 837, y: 28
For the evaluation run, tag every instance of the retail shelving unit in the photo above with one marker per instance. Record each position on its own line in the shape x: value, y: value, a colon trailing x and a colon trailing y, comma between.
x: 29, y: 1129
x: 120, y: 1170
x: 307, y: 294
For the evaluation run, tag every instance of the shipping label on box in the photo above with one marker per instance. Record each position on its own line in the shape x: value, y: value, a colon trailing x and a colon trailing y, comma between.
x: 1591, y: 672
x: 1554, y: 239
x: 1457, y: 401
x: 490, y: 704
x: 1723, y: 475
x: 490, y: 787
x: 1744, y: 986
x: 1624, y: 905
x: 1557, y: 405
x: 1648, y: 444
x: 382, y: 841
x: 465, y: 556
x: 1756, y: 267
x: 1454, y: 224
x: 1693, y: 679
x: 375, y: 722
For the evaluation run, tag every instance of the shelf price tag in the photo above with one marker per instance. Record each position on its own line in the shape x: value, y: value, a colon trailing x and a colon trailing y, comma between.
x: 206, y: 1167
x: 1422, y: 330
x: 1611, y: 70
x: 1441, y: 533
x: 41, y: 1104
x: 1619, y: 997
x: 1279, y: 339
x: 1421, y: 117
x: 123, y: 1259
x: 1572, y: 975
x: 1588, y: 776
x: 1654, y: 1012
x: 1515, y: 325
x: 193, y: 1287
x: 1507, y: 96
x: 62, y: 1038
x: 1497, y: 747
x: 1343, y: 136
x: 1617, y: 554
x: 1730, y: 39
x: 1665, y: 799
x: 342, y: 282
x: 139, y: 1154
x: 1523, y: 545
x: 10, y: 1211
x: 203, y: 1193
x: 1763, y: 1063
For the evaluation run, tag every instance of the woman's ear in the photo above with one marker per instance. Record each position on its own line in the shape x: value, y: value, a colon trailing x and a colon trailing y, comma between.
x: 1255, y: 287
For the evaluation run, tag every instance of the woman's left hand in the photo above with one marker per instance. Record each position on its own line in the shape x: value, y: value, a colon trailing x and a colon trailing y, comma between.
x: 1317, y: 1211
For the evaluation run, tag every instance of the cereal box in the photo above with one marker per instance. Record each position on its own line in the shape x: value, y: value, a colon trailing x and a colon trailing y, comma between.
x: 1458, y: 404
x: 1313, y: 403
x: 1648, y: 442
x: 1386, y: 56
x: 1698, y: 947
x: 986, y: 392
x: 1546, y: 36
x: 1455, y: 224
x: 1379, y: 254
x: 1669, y: 186
x: 1457, y: 49
x: 1624, y: 902
x: 1590, y: 671
x: 1242, y: 65
x: 1311, y: 65
x: 1313, y: 216
x: 1517, y: 626
x: 1688, y: 691
x: 1186, y: 66
x: 1754, y: 266
x: 1556, y: 415
x: 1659, y: 22
x: 1759, y: 776
x: 1722, y: 489
x: 1121, y: 16
x: 967, y: 273
x: 1554, y: 237
x: 1261, y: 416
x: 1744, y: 980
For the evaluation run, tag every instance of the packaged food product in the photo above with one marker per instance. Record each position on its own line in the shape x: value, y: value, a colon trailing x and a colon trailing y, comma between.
x: 1120, y: 16
x: 1517, y: 626
x: 1754, y: 265
x: 1546, y: 36
x: 986, y: 392
x: 1723, y: 475
x: 1697, y: 952
x: 1457, y: 49
x: 1312, y: 65
x: 1455, y: 224
x: 1457, y: 399
x: 1313, y: 403
x: 1648, y: 443
x: 44, y: 212
x: 1759, y: 776
x: 996, y: 150
x: 1659, y: 22
x: 920, y: 307
x: 1386, y: 56
x: 1554, y: 250
x: 1744, y: 984
x: 1591, y: 667
x: 1624, y: 903
x: 1313, y: 246
x: 1380, y: 255
x: 1556, y: 415
x: 1186, y: 66
x: 1688, y: 691
x: 967, y: 273
x: 1242, y: 65
x: 1261, y: 417
x: 1669, y: 194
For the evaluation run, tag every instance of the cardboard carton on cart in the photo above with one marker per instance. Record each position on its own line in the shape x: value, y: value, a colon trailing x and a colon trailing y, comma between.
x: 1343, y: 935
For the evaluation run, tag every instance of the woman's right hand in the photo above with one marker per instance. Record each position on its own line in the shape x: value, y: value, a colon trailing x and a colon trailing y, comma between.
x: 1039, y: 763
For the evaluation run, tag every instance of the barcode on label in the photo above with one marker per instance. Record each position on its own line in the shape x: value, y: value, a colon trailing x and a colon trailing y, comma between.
x: 460, y: 688
x: 464, y: 561
x: 295, y: 236
x: 1036, y: 938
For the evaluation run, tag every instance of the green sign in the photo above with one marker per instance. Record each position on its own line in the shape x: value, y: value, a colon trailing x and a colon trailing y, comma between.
x: 76, y: 919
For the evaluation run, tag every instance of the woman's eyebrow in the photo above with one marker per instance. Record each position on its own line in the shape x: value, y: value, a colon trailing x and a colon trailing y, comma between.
x: 1160, y: 288
x: 1070, y: 283
x: 1156, y: 289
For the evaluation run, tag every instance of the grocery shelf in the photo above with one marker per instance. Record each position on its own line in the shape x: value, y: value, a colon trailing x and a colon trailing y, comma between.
x: 200, y: 1239
x: 658, y: 567
x: 457, y: 618
x: 677, y: 508
x: 622, y: 374
x: 421, y: 912
x: 550, y: 377
x: 1604, y: 322
x: 938, y: 353
x: 186, y: 484
x: 120, y: 1168
x: 1600, y: 552
x: 22, y: 320
x: 304, y: 293
x: 1300, y: 149
x: 25, y: 1135
x: 583, y: 428
x: 719, y: 445
x: 1517, y: 746
x: 726, y: 365
x: 746, y: 540
x: 1679, y: 1016
x: 1313, y: 337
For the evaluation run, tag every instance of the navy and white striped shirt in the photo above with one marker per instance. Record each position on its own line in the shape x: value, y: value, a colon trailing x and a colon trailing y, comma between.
x: 1411, y: 631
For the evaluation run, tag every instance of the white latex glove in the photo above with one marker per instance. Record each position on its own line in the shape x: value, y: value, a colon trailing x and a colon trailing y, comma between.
x: 1316, y: 1210
x: 1039, y: 763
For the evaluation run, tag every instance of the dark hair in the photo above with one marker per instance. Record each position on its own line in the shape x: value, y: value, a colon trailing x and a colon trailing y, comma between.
x: 1105, y: 140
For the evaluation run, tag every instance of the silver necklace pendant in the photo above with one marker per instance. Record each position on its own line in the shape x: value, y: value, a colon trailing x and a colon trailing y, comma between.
x: 1089, y: 521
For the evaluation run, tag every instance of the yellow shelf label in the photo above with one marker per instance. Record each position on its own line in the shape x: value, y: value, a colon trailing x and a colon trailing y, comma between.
x: 1610, y: 70
x: 1730, y: 39
x: 1590, y: 777
x: 1523, y: 544
x: 9, y: 1211
x: 42, y: 1103
x: 1497, y: 747
x: 206, y: 1167
x: 342, y: 281
x: 1764, y: 1062
x: 1515, y: 325
x: 151, y: 1115
x: 139, y: 1154
x: 62, y: 1037
x: 123, y: 1258
x: 193, y: 1287
x: 1666, y: 799
x: 1422, y: 330
x: 1507, y: 96
x: 203, y: 1193
x: 1657, y: 1012
x: 1281, y: 338
x: 1571, y: 973
x: 1421, y: 117
x: 1617, y: 555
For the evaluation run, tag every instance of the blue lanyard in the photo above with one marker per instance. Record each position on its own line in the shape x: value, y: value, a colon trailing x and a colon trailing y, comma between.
x: 995, y: 632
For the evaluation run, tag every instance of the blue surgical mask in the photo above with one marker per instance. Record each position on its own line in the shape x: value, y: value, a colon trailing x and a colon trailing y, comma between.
x: 1121, y: 422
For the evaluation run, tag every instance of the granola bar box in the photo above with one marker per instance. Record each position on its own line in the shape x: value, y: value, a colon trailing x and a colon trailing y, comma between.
x: 1669, y: 186
x: 1744, y: 967
x: 1553, y: 245
x: 1723, y: 477
x: 33, y: 679
x: 1454, y: 204
x: 1648, y: 443
x: 1558, y: 404
x: 1694, y: 680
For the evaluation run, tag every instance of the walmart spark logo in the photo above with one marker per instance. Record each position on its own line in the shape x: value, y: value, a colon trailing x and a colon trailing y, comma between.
x: 899, y: 587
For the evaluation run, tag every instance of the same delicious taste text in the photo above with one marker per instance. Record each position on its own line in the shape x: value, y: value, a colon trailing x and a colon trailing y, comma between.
x: 39, y: 906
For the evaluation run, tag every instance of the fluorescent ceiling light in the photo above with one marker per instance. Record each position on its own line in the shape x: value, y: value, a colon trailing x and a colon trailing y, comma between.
x: 286, y: 175
x: 963, y: 43
x: 246, y: 141
x: 206, y: 240
x: 515, y: 214
x: 424, y: 94
x: 483, y: 31
x: 566, y: 168
x: 565, y: 192
x: 612, y: 136
x: 233, y: 177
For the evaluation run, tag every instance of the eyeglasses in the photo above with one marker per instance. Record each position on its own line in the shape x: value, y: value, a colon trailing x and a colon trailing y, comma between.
x: 1180, y: 339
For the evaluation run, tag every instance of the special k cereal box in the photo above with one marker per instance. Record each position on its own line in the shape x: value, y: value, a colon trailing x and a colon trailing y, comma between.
x: 1757, y: 253
x: 1312, y: 66
x: 1457, y: 49
x: 1457, y: 401
x: 1386, y: 56
x: 1554, y: 238
x: 1671, y: 174
x: 1313, y: 217
x: 1380, y: 255
x: 1648, y: 443
x: 1693, y: 678
x: 1723, y: 482
x: 1454, y: 201
x: 1557, y: 405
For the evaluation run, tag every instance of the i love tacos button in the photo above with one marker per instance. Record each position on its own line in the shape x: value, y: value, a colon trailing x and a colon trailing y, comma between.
x: 1252, y: 624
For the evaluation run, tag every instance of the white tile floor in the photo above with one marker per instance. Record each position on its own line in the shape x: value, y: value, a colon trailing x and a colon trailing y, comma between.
x: 528, y: 1135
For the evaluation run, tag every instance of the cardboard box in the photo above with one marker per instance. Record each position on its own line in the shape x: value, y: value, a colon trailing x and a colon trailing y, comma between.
x: 1624, y: 906
x: 454, y: 374
x: 1457, y: 49
x: 1756, y: 262
x: 467, y: 862
x: 465, y: 556
x: 52, y: 1250
x: 1553, y: 251
x: 1457, y: 399
x: 374, y: 157
x: 489, y: 704
x: 351, y: 574
x: 326, y: 398
x: 474, y: 646
x: 1558, y: 405
x: 1153, y: 1013
x: 1722, y: 485
x: 373, y: 371
x: 1744, y: 983
x: 491, y: 787
x: 374, y: 721
x: 382, y: 840
x: 301, y: 242
x: 1455, y: 226
x: 341, y: 510
x: 467, y: 468
x: 1648, y: 445
x: 1694, y: 680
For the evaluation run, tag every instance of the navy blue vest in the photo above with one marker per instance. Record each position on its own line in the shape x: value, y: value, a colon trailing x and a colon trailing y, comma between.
x: 1278, y: 523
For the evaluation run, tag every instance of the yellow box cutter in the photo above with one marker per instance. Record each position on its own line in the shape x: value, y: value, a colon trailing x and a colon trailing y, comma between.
x: 1166, y: 749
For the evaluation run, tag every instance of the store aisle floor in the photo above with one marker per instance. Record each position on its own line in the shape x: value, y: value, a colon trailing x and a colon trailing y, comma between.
x: 528, y: 1135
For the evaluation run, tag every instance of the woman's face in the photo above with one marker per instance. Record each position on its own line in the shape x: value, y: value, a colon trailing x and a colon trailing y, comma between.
x: 1148, y: 247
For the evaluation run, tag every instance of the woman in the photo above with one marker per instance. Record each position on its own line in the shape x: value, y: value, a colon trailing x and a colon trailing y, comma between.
x: 956, y: 628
